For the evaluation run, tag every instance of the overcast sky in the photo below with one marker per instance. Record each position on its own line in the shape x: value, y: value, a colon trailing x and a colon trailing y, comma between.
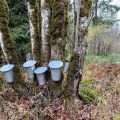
x: 117, y: 2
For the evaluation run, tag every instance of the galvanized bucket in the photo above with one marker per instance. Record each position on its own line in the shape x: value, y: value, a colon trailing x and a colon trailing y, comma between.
x: 7, y: 70
x: 40, y: 72
x: 30, y: 66
x: 55, y: 67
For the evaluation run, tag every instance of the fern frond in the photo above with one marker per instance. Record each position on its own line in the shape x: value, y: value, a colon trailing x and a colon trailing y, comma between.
x: 88, y: 94
x: 86, y: 99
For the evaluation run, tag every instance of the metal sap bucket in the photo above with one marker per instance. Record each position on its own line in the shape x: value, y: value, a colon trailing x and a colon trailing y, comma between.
x: 40, y: 72
x: 7, y: 70
x: 55, y: 67
x: 30, y: 66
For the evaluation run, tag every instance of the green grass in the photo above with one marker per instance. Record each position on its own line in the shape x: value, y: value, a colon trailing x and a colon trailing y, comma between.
x: 112, y: 58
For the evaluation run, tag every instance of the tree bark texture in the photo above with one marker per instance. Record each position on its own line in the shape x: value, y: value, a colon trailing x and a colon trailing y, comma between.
x: 33, y: 15
x: 77, y: 60
x: 70, y: 28
x: 58, y: 34
x: 58, y: 28
x: 45, y: 19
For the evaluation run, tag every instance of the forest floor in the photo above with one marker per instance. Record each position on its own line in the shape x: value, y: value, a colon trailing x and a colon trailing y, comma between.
x: 37, y: 107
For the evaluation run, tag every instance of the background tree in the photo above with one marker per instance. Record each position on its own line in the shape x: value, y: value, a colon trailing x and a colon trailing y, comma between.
x: 19, y: 27
x: 105, y: 14
x: 95, y: 19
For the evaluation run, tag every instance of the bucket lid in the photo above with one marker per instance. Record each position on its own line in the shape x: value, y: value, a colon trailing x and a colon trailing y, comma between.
x: 55, y: 64
x: 6, y: 68
x: 29, y: 63
x: 40, y: 70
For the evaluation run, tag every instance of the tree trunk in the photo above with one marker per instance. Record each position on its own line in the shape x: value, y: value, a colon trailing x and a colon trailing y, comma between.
x: 8, y: 48
x: 45, y: 15
x: 77, y: 9
x: 2, y: 59
x: 70, y: 28
x: 33, y: 14
x: 95, y: 22
x: 57, y: 29
x: 95, y: 19
x: 75, y: 71
x: 58, y: 37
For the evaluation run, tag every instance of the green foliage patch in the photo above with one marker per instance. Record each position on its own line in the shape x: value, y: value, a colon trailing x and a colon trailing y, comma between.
x: 112, y: 58
x: 88, y: 94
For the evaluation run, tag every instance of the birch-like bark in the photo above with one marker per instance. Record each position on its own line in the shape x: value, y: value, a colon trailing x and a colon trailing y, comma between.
x: 77, y: 9
x: 33, y: 15
x: 45, y: 19
x: 70, y: 29
x: 2, y: 47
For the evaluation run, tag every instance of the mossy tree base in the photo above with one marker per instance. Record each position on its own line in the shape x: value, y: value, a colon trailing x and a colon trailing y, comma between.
x: 55, y: 89
x: 25, y: 88
x: 73, y: 78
